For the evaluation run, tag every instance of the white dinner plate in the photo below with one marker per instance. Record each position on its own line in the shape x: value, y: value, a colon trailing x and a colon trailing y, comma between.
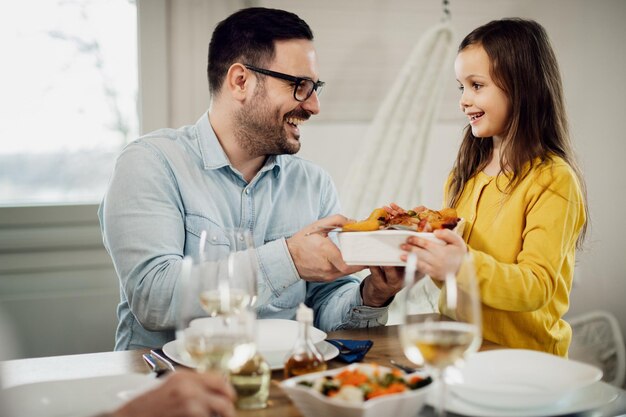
x: 521, y: 379
x: 589, y: 398
x: 275, y: 338
x: 171, y: 349
x: 75, y: 397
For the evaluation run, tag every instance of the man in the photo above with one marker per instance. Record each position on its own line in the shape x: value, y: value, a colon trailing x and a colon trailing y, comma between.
x: 235, y: 168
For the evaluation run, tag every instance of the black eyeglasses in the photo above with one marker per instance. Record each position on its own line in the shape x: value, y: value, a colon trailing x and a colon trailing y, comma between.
x: 302, y: 87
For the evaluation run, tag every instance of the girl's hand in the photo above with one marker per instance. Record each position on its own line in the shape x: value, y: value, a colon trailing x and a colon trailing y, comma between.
x: 394, y: 209
x: 434, y: 259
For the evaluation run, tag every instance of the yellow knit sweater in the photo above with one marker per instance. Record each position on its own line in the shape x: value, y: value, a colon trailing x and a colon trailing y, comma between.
x: 523, y: 247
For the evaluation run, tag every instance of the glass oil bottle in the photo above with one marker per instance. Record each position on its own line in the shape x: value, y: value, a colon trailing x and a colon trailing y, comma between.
x: 304, y: 357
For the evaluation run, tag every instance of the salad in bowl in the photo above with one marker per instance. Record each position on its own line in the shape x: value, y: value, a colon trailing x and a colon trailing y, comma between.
x: 358, y: 390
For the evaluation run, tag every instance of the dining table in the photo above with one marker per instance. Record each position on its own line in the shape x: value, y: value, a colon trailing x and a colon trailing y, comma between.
x: 386, y: 346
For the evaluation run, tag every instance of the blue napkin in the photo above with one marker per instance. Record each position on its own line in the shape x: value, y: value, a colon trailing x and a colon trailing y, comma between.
x: 351, y: 350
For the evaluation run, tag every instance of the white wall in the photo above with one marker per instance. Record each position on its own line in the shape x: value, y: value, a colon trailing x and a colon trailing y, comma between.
x: 362, y: 44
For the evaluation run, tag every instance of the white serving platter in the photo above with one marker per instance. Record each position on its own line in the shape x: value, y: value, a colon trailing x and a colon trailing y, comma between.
x: 381, y: 247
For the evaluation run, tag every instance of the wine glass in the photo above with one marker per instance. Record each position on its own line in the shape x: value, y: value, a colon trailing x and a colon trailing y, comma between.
x: 441, y: 341
x: 235, y: 274
x: 216, y: 321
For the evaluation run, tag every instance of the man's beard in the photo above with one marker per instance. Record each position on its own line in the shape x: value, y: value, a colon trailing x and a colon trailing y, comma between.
x: 261, y: 130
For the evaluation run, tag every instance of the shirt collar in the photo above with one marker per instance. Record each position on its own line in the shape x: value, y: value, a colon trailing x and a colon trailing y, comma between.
x: 214, y: 157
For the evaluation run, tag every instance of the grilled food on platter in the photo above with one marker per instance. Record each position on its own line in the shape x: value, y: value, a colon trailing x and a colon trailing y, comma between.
x: 420, y: 219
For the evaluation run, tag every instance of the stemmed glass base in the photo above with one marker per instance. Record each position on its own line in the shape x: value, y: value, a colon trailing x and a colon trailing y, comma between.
x: 441, y: 341
x: 441, y: 391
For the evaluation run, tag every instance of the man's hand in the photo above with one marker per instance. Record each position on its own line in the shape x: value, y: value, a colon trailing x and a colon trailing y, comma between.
x: 183, y: 394
x: 316, y: 257
x: 382, y: 284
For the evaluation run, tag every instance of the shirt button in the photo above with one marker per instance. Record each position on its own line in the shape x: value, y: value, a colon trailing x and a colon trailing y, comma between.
x: 214, y: 238
x: 247, y: 191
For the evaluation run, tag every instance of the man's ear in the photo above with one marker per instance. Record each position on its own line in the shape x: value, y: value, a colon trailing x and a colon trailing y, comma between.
x: 238, y: 81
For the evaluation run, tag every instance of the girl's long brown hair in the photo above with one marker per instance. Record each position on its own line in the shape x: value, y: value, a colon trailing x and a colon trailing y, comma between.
x: 524, y: 66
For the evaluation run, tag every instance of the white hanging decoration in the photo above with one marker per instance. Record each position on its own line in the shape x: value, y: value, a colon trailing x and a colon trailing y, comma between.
x: 389, y: 164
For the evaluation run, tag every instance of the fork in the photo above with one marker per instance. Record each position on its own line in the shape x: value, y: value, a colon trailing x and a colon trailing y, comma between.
x: 320, y: 229
x: 155, y: 365
x: 156, y: 361
x: 405, y: 368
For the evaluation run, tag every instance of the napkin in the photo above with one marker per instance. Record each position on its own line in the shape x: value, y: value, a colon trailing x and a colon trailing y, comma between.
x: 351, y: 350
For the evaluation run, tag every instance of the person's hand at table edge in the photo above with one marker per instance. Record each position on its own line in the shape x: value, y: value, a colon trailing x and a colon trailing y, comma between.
x: 183, y: 394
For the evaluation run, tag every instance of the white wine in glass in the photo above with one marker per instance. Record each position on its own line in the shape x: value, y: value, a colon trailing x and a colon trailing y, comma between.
x: 220, y: 343
x: 217, y: 303
x: 440, y: 341
x: 230, y: 269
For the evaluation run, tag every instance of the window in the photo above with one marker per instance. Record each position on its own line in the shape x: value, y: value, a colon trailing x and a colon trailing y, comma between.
x: 69, y: 97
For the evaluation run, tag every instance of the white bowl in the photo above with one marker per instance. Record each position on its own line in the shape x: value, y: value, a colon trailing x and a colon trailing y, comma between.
x: 380, y: 247
x: 521, y: 379
x: 276, y: 337
x: 312, y: 403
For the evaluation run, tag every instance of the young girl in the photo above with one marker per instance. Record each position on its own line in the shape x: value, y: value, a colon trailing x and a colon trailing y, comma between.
x: 516, y: 183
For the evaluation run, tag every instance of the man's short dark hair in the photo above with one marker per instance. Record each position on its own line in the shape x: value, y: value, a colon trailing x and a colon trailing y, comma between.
x: 248, y: 36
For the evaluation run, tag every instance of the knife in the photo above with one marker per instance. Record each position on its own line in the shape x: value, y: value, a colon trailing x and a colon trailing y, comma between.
x: 161, y: 357
x: 405, y: 368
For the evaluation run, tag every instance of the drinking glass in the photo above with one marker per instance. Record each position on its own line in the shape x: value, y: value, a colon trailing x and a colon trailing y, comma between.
x: 216, y: 321
x: 441, y: 341
x: 229, y: 258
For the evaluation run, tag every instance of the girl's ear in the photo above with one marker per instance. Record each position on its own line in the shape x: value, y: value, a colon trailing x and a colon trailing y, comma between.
x: 238, y: 82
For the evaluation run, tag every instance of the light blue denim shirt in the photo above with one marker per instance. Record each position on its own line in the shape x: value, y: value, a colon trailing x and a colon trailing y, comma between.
x: 170, y: 185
